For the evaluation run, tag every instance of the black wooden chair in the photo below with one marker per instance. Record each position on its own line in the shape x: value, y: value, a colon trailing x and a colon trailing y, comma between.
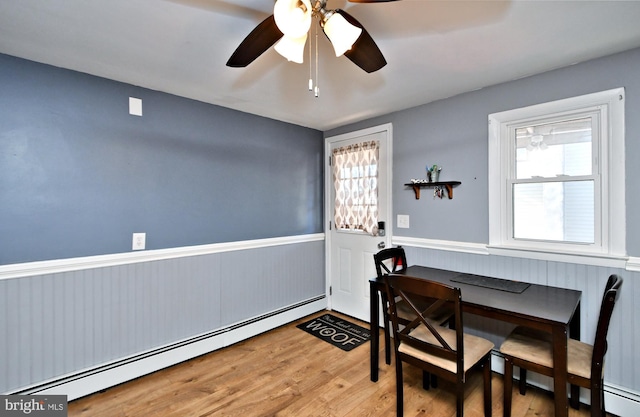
x: 439, y: 350
x: 388, y: 261
x: 394, y: 260
x: 532, y: 350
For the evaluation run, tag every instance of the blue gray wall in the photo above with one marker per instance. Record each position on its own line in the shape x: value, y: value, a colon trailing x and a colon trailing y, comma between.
x: 453, y: 133
x: 79, y: 175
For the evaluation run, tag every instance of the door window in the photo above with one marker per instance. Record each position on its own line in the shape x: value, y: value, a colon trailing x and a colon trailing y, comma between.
x: 355, y: 178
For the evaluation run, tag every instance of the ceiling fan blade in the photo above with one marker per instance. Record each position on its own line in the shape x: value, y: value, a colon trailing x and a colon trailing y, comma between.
x: 364, y: 52
x: 256, y: 43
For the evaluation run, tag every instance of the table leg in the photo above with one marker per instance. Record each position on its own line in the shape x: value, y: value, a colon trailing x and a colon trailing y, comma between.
x: 375, y: 330
x: 560, y: 371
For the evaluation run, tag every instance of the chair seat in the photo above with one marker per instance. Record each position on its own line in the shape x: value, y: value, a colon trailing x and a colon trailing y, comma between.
x: 535, y: 346
x: 474, y: 348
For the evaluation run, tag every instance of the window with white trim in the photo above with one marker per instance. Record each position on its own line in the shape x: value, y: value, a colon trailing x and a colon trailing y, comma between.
x: 556, y: 177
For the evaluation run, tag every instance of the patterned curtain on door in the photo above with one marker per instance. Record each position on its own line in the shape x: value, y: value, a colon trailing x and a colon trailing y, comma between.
x: 355, y: 178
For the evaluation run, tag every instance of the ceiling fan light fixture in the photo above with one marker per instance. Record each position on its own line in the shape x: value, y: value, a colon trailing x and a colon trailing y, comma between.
x: 292, y: 48
x: 341, y: 33
x: 293, y: 17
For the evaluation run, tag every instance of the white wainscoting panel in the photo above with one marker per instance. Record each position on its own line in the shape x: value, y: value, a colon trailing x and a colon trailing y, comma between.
x: 58, y: 324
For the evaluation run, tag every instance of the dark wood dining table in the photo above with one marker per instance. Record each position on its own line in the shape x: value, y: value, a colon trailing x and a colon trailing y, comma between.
x: 550, y: 309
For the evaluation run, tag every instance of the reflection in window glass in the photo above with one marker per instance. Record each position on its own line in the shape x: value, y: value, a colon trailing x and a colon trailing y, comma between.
x: 554, y: 149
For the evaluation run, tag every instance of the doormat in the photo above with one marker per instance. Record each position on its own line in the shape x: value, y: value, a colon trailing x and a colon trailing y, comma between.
x: 337, y: 331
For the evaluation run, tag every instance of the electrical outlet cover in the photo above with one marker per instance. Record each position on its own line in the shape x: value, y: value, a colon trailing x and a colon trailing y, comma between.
x: 139, y: 241
x: 403, y: 221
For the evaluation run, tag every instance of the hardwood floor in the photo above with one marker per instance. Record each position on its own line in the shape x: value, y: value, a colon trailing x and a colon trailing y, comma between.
x: 288, y: 372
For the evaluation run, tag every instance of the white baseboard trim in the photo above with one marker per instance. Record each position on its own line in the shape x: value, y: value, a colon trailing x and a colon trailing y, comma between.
x: 618, y: 401
x: 90, y: 383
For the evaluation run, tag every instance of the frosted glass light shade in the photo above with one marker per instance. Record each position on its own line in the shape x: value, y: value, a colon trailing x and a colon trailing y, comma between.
x: 341, y: 33
x: 293, y: 17
x: 292, y: 48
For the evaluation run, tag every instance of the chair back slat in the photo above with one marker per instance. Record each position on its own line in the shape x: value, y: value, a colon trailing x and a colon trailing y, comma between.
x: 420, y: 319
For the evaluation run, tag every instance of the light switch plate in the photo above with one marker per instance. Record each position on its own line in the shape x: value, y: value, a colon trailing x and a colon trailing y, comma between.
x: 139, y: 241
x: 403, y: 221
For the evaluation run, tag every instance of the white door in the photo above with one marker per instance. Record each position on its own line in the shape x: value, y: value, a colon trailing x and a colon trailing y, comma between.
x: 350, y: 252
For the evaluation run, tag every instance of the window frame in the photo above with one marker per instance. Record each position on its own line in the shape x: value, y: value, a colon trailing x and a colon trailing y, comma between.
x: 610, y: 220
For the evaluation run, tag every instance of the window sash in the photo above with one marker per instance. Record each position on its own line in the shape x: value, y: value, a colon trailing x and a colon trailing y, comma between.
x: 549, y: 212
x: 557, y: 147
x: 554, y: 211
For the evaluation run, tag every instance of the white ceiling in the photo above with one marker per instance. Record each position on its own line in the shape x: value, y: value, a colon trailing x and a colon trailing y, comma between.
x: 434, y: 49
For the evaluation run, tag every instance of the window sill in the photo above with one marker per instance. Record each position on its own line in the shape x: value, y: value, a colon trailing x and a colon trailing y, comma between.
x: 595, y: 259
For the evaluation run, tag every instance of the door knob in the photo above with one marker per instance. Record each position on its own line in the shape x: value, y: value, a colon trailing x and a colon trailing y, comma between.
x: 381, y: 245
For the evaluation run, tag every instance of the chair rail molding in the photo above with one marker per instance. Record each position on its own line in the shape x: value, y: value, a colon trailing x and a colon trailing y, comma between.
x: 633, y: 264
x: 100, y: 261
x: 629, y: 263
x: 446, y: 245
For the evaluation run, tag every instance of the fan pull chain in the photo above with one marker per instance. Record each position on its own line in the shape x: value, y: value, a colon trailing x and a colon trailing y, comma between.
x: 317, y: 89
x: 310, y: 66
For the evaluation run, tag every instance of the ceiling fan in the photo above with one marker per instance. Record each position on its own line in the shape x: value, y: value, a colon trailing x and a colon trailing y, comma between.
x: 289, y: 25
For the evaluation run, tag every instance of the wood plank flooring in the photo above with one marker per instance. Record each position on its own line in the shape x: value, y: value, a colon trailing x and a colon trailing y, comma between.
x: 288, y: 372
